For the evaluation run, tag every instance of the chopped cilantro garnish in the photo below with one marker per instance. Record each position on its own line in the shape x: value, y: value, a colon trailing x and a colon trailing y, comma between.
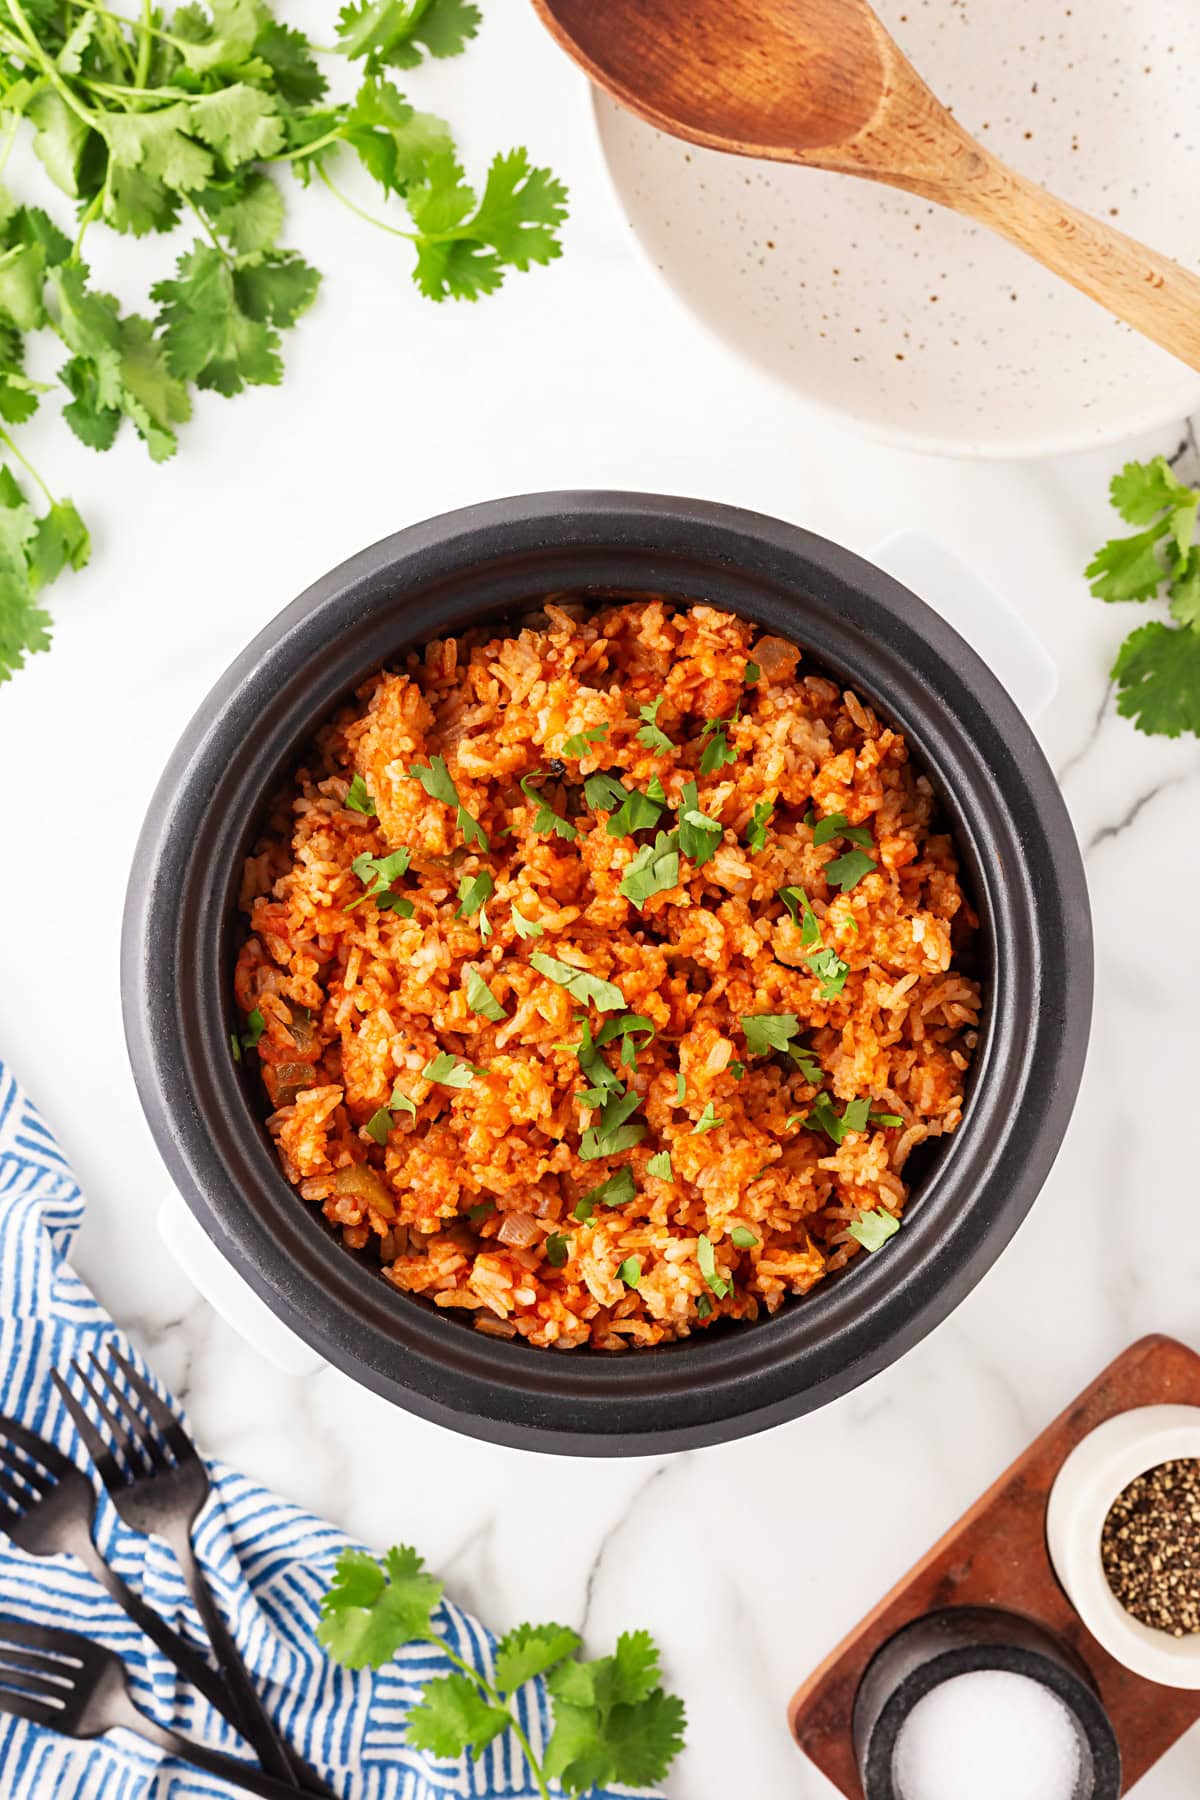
x: 524, y: 928
x: 358, y: 799
x: 379, y: 1125
x: 704, y: 1307
x: 847, y: 871
x: 708, y: 1121
x: 651, y: 736
x: 824, y: 1117
x: 806, y: 1062
x: 756, y: 830
x: 699, y: 836
x: 765, y: 1032
x: 451, y: 1071
x: 751, y: 674
x: 557, y: 1248
x: 439, y: 785
x: 660, y: 1166
x: 596, y: 1072
x: 546, y: 819
x: 400, y: 1101
x: 377, y: 874
x: 742, y: 1237
x: 610, y: 1134
x: 855, y: 1116
x: 605, y: 996
x: 579, y: 743
x: 737, y: 1070
x: 680, y: 1087
x: 236, y: 1045
x: 618, y: 1190
x: 604, y: 792
x: 476, y: 1213
x: 473, y: 893
x: 830, y: 971
x: 629, y: 1027
x: 886, y: 1118
x: 797, y: 903
x: 708, y: 1266
x: 637, y: 812
x: 481, y: 999
x: 255, y: 1026
x: 630, y: 1271
x: 717, y: 752
x: 874, y: 1228
x: 653, y: 870
x: 837, y: 825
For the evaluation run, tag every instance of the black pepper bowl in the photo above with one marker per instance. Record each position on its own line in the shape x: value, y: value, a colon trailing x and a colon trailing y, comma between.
x: 1020, y: 862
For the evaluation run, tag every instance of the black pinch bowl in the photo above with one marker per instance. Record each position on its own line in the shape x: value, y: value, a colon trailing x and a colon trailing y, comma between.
x: 962, y: 1640
x: 488, y: 562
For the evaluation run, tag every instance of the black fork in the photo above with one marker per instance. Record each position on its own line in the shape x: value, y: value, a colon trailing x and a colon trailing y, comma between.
x: 46, y: 1508
x: 68, y: 1684
x: 158, y: 1484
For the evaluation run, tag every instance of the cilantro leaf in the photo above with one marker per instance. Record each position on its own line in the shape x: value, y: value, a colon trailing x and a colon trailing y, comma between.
x: 524, y: 928
x: 847, y: 871
x: 545, y: 818
x: 358, y: 799
x: 1157, y: 672
x: 699, y: 836
x: 637, y: 812
x: 756, y: 830
x: 275, y: 287
x: 372, y: 1610
x: 651, y: 734
x: 481, y: 999
x: 660, y: 1166
x: 630, y: 1271
x: 241, y: 123
x: 463, y: 244
x: 379, y: 1125
x: 255, y: 1026
x: 717, y: 751
x: 708, y: 1121
x: 209, y: 338
x: 765, y: 1032
x: 581, y: 741
x: 606, y: 996
x: 798, y: 905
x: 1128, y: 568
x: 611, y: 1134
x: 830, y: 971
x: 439, y: 785
x: 618, y: 1190
x: 706, y: 1257
x: 400, y: 1101
x: 297, y: 79
x: 1140, y: 491
x: 392, y: 140
x: 629, y: 1027
x: 743, y: 1237
x: 452, y: 1716
x: 529, y: 1650
x: 751, y: 674
x: 557, y: 1249
x: 398, y: 32
x: 450, y: 1071
x: 474, y: 891
x: 653, y: 870
x: 874, y: 1228
x: 377, y: 873
x: 838, y: 825
x: 32, y: 553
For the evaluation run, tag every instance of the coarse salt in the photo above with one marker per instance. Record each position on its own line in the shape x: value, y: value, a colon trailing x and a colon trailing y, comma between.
x: 991, y: 1735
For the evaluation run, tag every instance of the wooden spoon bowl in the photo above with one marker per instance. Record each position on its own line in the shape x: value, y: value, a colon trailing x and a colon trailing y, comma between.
x: 821, y: 82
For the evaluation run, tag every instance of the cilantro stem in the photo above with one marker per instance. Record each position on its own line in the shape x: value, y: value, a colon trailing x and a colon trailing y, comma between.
x: 26, y: 464
x: 207, y: 223
x: 368, y: 217
x: 94, y: 205
x: 23, y: 26
x: 10, y: 138
x: 106, y: 12
x: 145, y: 44
x: 330, y: 137
x: 498, y: 1699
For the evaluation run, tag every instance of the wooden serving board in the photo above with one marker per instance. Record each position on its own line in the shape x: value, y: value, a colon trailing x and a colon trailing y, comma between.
x: 996, y: 1556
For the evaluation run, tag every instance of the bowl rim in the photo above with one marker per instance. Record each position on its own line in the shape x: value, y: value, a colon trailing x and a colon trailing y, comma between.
x: 437, y: 576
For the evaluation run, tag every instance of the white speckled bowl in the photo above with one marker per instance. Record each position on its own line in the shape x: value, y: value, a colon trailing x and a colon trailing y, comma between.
x: 916, y: 325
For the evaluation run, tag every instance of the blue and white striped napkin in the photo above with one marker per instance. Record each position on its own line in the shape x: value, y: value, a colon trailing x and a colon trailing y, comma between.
x: 268, y: 1562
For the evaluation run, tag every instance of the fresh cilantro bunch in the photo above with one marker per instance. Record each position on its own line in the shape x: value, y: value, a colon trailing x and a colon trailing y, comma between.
x: 188, y: 118
x: 613, y: 1721
x: 1157, y: 670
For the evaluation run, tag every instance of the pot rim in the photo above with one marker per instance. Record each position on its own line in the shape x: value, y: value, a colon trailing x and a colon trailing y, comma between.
x: 1010, y: 823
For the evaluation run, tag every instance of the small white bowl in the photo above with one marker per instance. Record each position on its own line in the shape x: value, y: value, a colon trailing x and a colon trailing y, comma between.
x: 1091, y: 1478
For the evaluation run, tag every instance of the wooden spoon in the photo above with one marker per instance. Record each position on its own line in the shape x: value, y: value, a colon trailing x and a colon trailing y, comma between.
x: 821, y: 82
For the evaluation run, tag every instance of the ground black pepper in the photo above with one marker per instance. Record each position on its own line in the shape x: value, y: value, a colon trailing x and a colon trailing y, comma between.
x: 1150, y: 1547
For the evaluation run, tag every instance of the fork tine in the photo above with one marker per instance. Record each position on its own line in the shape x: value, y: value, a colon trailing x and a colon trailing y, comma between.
x: 18, y: 1470
x: 33, y: 1678
x: 107, y: 1467
x: 23, y: 1706
x: 122, y: 1437
x: 140, y: 1429
x: 163, y: 1416
x: 18, y: 1498
x: 34, y: 1446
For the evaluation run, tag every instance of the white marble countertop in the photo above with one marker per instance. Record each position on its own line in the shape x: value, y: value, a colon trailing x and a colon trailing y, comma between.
x: 748, y: 1561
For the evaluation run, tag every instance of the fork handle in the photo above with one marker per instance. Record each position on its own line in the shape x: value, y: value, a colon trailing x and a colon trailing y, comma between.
x: 253, y: 1720
x: 214, y: 1762
x: 174, y: 1647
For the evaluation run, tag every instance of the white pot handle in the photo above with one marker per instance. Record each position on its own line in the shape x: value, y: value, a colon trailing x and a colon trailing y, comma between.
x: 227, y: 1293
x: 993, y: 629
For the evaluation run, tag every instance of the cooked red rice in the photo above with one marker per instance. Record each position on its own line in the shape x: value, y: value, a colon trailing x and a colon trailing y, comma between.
x: 471, y: 1201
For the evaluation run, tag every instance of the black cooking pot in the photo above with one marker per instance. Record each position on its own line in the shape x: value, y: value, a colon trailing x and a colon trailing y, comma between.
x: 1021, y: 865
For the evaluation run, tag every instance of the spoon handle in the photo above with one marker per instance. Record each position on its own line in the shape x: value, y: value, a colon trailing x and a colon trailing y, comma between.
x: 1156, y: 296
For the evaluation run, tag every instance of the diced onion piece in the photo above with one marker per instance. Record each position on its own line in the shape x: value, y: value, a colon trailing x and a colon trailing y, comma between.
x: 519, y: 1230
